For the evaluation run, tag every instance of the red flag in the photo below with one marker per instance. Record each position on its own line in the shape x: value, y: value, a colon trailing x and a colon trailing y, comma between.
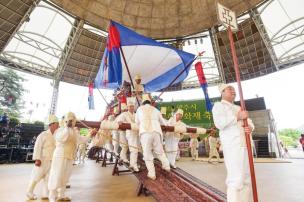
x: 204, y: 84
x: 200, y: 73
x: 91, y: 87
x: 91, y: 97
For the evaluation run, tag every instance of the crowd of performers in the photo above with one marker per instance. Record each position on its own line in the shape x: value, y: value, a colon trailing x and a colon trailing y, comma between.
x: 56, y: 149
x: 54, y: 155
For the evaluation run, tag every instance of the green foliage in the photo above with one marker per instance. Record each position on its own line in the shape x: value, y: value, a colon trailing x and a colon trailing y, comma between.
x: 84, y: 131
x: 288, y: 141
x: 11, y: 91
x: 289, y: 136
x: 14, y: 121
x: 39, y: 123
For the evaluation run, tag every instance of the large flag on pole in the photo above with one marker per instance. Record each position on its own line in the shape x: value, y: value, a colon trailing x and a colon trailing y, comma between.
x: 91, y: 96
x: 157, y: 63
x: 202, y: 80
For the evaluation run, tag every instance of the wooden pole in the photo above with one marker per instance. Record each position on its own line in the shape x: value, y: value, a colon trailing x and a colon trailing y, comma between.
x: 127, y: 126
x: 247, y: 135
x: 124, y: 59
x: 104, y: 99
x: 186, y: 67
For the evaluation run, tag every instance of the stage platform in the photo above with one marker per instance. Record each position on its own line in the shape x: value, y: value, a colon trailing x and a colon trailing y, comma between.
x: 89, y: 183
x: 278, y: 181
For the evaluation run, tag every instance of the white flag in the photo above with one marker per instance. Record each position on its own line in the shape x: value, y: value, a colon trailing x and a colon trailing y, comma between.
x: 227, y: 17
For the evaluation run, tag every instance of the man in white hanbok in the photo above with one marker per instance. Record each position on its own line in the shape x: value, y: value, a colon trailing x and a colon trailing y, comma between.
x: 108, y: 136
x: 122, y: 134
x: 132, y: 136
x: 213, y: 142
x: 149, y: 121
x: 172, y: 138
x: 97, y: 141
x: 138, y: 87
x: 228, y: 118
x: 115, y: 133
x: 82, y: 147
x: 43, y: 153
x: 194, y: 144
x: 138, y: 90
x: 67, y: 138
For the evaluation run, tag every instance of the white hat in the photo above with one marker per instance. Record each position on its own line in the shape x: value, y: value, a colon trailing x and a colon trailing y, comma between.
x: 131, y: 101
x: 137, y: 77
x: 52, y: 119
x: 163, y: 110
x: 123, y: 106
x: 222, y: 86
x: 70, y: 116
x: 179, y: 111
x: 146, y: 97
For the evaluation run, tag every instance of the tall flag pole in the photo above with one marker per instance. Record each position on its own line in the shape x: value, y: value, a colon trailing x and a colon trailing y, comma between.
x: 91, y: 97
x: 185, y: 69
x: 203, y: 82
x: 104, y: 99
x: 114, y: 38
x: 228, y: 19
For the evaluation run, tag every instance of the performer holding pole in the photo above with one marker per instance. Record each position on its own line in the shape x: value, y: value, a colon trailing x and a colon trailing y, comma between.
x: 232, y: 121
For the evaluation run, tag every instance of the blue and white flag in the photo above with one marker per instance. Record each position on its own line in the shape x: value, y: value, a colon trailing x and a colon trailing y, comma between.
x: 158, y: 64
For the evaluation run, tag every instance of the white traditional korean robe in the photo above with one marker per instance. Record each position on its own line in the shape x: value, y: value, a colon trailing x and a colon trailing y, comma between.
x: 132, y: 137
x: 232, y: 137
x: 213, y: 150
x: 149, y: 119
x: 43, y: 151
x: 62, y: 163
x: 172, y: 139
x: 115, y: 139
x: 123, y: 142
x: 97, y: 141
x: 81, y: 150
x: 194, y: 148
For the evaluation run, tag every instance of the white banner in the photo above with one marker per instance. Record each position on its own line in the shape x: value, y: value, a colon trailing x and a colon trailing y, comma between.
x: 227, y: 17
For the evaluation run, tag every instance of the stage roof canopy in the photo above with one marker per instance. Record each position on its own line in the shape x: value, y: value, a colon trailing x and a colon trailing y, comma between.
x: 154, y: 18
x: 64, y: 40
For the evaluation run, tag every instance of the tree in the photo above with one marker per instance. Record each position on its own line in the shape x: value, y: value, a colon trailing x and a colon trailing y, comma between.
x: 11, y: 91
x: 290, y: 136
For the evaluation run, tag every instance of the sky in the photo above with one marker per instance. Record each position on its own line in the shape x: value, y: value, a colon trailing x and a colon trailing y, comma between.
x: 281, y: 90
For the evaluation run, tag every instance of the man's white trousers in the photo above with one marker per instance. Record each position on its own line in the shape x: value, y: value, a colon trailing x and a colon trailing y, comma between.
x: 171, y: 147
x: 40, y: 173
x: 151, y: 143
x: 134, y: 145
x: 238, y: 174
